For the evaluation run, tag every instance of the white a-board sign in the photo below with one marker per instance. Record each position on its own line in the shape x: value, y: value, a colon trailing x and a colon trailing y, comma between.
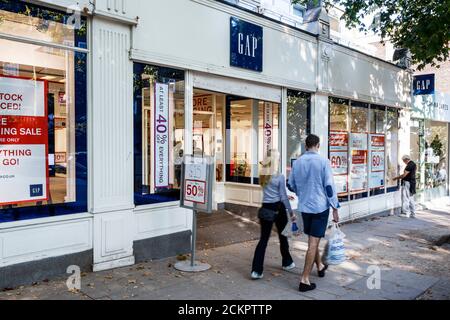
x: 196, y: 194
x: 197, y: 183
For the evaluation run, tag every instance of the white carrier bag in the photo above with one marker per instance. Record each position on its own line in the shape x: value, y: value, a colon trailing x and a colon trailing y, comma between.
x: 335, y: 250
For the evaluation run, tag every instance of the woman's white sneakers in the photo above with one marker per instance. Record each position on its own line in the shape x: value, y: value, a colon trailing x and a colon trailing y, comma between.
x: 256, y: 275
x: 290, y: 267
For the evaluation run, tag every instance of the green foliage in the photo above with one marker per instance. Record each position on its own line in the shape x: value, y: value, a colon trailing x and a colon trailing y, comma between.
x: 437, y: 146
x: 423, y: 27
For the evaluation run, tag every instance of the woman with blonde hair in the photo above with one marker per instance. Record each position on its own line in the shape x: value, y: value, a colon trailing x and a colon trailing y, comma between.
x: 274, y: 210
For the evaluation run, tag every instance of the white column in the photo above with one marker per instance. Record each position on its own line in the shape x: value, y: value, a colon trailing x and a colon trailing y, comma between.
x: 111, y: 142
x: 283, y: 130
x: 319, y: 120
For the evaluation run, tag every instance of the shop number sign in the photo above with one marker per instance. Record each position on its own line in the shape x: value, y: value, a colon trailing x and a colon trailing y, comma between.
x: 23, y: 141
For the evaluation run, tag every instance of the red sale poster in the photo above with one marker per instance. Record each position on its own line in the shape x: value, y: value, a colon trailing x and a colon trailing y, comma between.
x: 338, y: 143
x: 376, y: 161
x: 358, y: 162
x: 23, y: 141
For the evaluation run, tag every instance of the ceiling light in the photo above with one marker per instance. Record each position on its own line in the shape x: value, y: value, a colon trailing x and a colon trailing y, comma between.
x: 48, y: 78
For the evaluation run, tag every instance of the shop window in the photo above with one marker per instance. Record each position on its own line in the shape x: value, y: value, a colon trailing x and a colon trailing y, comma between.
x: 392, y: 156
x: 298, y: 125
x: 358, y: 178
x: 240, y: 113
x: 436, y: 161
x: 20, y: 18
x: 377, y: 150
x: 268, y: 132
x: 252, y: 130
x: 43, y: 124
x: 339, y: 145
x: 158, y: 133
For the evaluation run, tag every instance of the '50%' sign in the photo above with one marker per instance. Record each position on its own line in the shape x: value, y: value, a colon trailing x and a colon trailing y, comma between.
x: 195, y: 191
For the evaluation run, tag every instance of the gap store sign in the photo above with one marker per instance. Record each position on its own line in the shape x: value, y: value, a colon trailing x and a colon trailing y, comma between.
x: 423, y: 84
x: 246, y: 45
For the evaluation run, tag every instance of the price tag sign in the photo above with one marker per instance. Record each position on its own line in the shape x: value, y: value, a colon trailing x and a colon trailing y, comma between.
x: 197, y: 183
x: 195, y: 191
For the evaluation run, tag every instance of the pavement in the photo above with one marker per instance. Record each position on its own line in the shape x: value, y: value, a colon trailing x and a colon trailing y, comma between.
x: 411, y: 255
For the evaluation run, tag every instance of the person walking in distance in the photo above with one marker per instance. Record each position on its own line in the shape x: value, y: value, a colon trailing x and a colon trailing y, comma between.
x: 408, y: 179
x: 312, y: 180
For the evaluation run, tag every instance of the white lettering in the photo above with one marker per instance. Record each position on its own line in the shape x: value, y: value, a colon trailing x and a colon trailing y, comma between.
x: 240, y: 45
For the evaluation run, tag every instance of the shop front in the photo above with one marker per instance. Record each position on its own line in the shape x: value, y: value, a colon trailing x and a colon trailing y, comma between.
x: 429, y: 127
x: 95, y: 122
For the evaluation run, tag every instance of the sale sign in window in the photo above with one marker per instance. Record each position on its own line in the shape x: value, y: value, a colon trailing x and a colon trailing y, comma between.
x: 338, y: 143
x: 268, y: 128
x: 377, y: 155
x: 23, y: 141
x: 358, y: 162
x: 161, y: 135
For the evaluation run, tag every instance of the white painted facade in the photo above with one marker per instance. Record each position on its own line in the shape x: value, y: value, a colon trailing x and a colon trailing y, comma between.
x: 192, y: 35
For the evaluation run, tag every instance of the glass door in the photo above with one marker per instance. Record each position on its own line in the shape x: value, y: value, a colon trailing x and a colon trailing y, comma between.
x: 204, y: 125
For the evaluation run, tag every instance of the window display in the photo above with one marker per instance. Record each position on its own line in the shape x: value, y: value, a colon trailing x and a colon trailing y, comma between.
x: 339, y: 145
x: 377, y: 146
x: 359, y: 150
x: 158, y: 133
x: 298, y: 125
x: 43, y: 146
x: 240, y: 139
x: 363, y: 148
x: 252, y: 130
x: 436, y: 161
x: 392, y: 156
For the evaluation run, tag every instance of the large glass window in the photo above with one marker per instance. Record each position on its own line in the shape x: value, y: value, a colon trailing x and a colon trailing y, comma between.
x: 240, y: 139
x: 158, y: 133
x: 377, y: 149
x: 252, y: 130
x: 339, y: 145
x: 363, y: 147
x: 359, y: 150
x: 392, y: 156
x: 436, y: 161
x: 43, y: 147
x: 298, y: 125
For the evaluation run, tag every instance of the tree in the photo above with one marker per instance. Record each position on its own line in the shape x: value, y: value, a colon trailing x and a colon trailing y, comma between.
x: 423, y: 27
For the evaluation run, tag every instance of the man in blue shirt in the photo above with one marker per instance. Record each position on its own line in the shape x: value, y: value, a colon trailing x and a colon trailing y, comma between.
x: 312, y: 180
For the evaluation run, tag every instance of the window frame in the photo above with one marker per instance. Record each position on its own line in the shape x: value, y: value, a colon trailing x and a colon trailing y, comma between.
x: 352, y: 103
x: 80, y: 75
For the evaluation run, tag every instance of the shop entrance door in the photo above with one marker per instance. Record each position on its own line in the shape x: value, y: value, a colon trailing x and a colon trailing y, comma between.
x: 204, y: 129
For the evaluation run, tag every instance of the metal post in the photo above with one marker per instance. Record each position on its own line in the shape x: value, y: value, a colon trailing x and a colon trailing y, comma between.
x: 194, y: 236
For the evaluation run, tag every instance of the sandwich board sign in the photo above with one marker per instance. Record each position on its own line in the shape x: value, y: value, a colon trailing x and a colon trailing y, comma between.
x: 196, y: 188
x: 196, y: 194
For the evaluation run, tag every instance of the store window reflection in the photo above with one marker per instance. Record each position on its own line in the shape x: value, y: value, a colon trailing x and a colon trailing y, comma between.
x: 359, y: 150
x: 392, y: 156
x: 298, y: 125
x: 241, y: 139
x: 436, y: 162
x: 339, y: 145
x: 43, y: 124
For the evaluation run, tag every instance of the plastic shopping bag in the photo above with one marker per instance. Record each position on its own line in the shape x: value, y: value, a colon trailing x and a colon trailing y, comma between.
x: 291, y: 230
x: 335, y: 249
